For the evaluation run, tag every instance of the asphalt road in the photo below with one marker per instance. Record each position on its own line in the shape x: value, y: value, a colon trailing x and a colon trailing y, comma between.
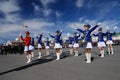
x: 14, y: 67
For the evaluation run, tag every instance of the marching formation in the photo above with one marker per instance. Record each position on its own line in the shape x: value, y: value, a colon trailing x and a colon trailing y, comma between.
x: 73, y: 42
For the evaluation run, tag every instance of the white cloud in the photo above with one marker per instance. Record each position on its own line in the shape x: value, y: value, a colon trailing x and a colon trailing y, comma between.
x: 79, y: 3
x: 7, y: 28
x: 75, y: 25
x: 47, y: 2
x: 36, y: 7
x: 9, y: 6
x: 81, y: 19
x: 34, y: 25
x: 79, y: 24
x: 37, y: 24
x: 46, y: 10
x: 10, y: 10
x: 105, y: 9
x: 58, y: 14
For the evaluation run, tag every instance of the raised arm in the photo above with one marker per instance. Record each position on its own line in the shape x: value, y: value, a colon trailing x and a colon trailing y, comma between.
x: 60, y: 34
x: 52, y: 36
x: 22, y: 38
x: 93, y: 28
x: 80, y: 30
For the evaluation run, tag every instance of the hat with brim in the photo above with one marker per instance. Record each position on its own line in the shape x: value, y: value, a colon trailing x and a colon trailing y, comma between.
x: 57, y: 31
x: 88, y: 26
x: 100, y: 29
x: 75, y: 32
x: 27, y: 32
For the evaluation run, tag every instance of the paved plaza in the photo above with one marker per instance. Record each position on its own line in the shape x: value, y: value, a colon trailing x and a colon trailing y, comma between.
x: 14, y: 67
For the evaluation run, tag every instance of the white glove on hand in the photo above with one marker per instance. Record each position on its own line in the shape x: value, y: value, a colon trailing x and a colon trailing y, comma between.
x: 61, y: 30
x: 20, y: 34
x: 35, y: 34
x: 115, y: 28
x: 99, y: 24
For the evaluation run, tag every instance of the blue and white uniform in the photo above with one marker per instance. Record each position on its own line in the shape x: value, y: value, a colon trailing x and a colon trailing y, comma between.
x: 57, y: 40
x: 39, y: 39
x: 109, y: 37
x: 47, y: 44
x: 70, y: 40
x: 87, y: 36
x: 101, y: 42
x: 31, y: 47
x: 76, y: 44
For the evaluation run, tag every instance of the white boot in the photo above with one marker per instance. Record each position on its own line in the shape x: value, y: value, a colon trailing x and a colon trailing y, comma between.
x: 32, y: 53
x: 58, y: 56
x: 60, y: 51
x: 29, y: 58
x: 48, y: 53
x: 112, y: 51
x: 108, y: 50
x: 76, y: 53
x: 39, y: 55
x: 71, y: 51
x: 102, y: 53
x: 87, y: 57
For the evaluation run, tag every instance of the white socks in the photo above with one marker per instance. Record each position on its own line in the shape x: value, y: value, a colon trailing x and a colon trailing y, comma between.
x: 47, y: 52
x: 102, y: 53
x: 39, y: 55
x: 60, y: 51
x: 58, y: 56
x: 88, y: 57
x: 76, y: 53
x: 29, y: 58
x: 32, y: 53
x: 71, y: 51
x: 110, y: 50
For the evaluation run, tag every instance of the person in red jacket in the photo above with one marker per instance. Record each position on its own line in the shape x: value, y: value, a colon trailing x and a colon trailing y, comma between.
x: 27, y: 40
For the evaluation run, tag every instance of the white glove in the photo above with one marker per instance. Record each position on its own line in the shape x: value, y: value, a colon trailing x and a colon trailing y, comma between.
x: 20, y: 34
x: 74, y: 28
x: 115, y: 28
x: 61, y: 30
x: 99, y: 24
x: 35, y: 34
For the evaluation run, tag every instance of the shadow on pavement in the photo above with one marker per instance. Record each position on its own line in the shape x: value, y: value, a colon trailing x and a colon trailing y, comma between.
x: 33, y: 63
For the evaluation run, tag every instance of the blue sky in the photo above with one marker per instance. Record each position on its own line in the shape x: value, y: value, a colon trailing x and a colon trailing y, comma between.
x: 43, y: 16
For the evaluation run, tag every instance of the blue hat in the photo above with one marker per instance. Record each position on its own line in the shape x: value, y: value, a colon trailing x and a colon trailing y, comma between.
x: 75, y: 32
x: 100, y: 29
x: 87, y: 25
x: 40, y: 34
x: 57, y: 31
